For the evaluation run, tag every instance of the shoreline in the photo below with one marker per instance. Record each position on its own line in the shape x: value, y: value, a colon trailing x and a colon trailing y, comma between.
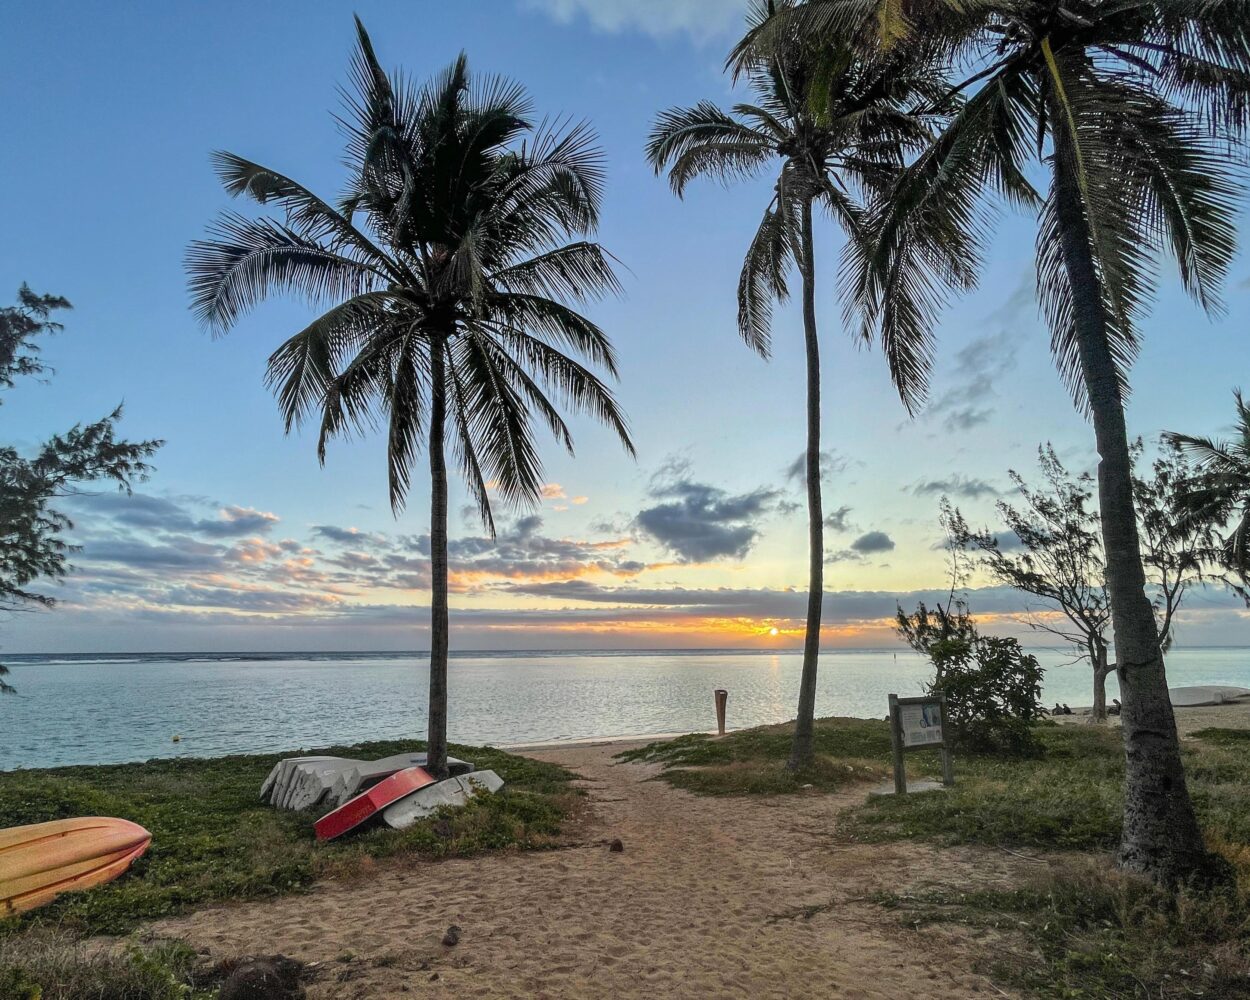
x: 603, y: 741
x: 1188, y: 721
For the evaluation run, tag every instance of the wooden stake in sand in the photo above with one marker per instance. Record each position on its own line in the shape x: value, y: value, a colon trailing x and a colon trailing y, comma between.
x: 722, y: 698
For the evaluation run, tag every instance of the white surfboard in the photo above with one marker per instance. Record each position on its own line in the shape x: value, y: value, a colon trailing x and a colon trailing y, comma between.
x: 455, y: 791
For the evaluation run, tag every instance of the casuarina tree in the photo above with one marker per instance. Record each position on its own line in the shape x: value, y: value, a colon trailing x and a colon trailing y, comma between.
x: 32, y: 521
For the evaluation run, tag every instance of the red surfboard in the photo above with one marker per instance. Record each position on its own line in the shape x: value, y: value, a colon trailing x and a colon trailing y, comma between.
x: 369, y: 803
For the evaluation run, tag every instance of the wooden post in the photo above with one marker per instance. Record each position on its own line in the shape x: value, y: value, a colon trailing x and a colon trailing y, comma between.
x: 948, y: 766
x: 896, y: 738
x: 722, y: 696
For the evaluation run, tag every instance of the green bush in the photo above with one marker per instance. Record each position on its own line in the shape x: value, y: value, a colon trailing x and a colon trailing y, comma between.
x: 992, y: 687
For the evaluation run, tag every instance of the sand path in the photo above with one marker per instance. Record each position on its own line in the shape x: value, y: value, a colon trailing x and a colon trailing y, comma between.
x: 706, y: 900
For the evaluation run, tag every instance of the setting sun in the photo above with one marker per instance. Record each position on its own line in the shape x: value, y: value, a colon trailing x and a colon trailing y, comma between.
x: 773, y: 631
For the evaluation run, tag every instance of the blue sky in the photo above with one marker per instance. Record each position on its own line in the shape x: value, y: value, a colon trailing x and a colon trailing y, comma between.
x: 241, y: 540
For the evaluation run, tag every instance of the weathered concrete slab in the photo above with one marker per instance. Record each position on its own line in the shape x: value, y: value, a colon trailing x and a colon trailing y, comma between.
x: 455, y: 791
x: 923, y: 785
x: 1204, y: 695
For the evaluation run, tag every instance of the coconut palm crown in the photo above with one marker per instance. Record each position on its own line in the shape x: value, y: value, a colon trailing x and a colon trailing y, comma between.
x: 446, y: 272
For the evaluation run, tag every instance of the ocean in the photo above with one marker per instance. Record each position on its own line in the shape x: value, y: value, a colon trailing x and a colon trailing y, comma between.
x: 98, y: 709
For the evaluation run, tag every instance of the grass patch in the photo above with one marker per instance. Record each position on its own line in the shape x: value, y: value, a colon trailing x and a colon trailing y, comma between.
x: 54, y: 966
x: 1101, y: 935
x: 213, y: 839
x: 752, y: 761
x: 1089, y: 933
x: 1067, y: 798
x: 1223, y: 737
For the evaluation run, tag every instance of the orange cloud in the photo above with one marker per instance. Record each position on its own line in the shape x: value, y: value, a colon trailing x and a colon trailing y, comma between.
x: 253, y: 550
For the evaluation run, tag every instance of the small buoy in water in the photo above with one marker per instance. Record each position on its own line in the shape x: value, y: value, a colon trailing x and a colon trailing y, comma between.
x: 177, y: 739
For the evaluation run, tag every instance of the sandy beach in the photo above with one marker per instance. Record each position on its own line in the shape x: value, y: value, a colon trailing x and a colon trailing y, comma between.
x: 710, y: 897
x: 1188, y: 720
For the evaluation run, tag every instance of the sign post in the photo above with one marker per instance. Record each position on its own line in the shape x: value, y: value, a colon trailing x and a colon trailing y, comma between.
x: 917, y: 723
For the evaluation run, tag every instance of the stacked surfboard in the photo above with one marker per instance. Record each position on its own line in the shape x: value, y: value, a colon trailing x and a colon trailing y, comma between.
x: 308, y: 782
x: 405, y: 797
x: 397, y: 789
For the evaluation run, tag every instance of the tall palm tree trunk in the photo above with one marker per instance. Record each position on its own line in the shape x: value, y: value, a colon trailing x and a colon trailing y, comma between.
x: 1160, y: 835
x: 436, y: 762
x: 801, y: 753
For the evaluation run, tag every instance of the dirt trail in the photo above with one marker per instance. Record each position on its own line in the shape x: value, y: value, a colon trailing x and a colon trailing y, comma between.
x: 706, y: 900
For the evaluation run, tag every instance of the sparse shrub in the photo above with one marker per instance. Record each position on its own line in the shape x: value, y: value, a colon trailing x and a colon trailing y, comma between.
x: 992, y: 687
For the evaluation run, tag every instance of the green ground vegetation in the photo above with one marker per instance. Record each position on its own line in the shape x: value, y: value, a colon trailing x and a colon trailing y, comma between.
x: 213, y: 839
x: 1086, y: 932
x: 53, y: 965
x: 752, y: 761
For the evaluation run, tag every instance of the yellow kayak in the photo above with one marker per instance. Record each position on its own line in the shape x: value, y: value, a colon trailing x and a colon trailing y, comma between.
x: 41, y: 861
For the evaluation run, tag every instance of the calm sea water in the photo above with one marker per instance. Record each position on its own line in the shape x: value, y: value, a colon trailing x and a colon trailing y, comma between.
x: 116, y: 708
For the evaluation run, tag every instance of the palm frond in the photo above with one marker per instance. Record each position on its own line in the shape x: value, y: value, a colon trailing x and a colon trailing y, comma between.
x: 464, y: 449
x: 926, y: 238
x: 499, y: 423
x: 705, y: 141
x: 301, y: 370
x: 547, y: 317
x: 307, y: 214
x: 404, y: 403
x: 577, y: 386
x: 763, y: 278
x: 578, y: 271
x: 244, y: 260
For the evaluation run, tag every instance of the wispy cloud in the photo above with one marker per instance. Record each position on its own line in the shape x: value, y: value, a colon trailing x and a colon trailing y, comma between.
x: 839, y: 520
x: 144, y: 550
x: 701, y: 20
x: 957, y: 485
x: 970, y: 398
x: 832, y: 463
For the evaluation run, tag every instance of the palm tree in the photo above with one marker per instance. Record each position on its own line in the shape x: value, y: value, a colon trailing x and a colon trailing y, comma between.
x: 1133, y: 109
x: 830, y: 127
x: 1221, y: 491
x: 447, y: 269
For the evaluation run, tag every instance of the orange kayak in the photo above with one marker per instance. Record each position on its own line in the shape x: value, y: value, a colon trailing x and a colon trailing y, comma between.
x: 39, y: 862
